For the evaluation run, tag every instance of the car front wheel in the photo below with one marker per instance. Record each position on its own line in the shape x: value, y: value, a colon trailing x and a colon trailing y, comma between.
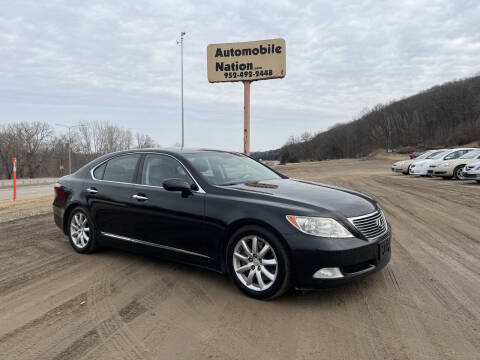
x: 81, y: 231
x: 258, y: 263
x: 457, y: 173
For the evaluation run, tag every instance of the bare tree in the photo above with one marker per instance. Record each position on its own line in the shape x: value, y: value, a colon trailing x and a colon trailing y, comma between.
x: 40, y: 152
x: 29, y: 142
x: 446, y: 115
x: 144, y: 141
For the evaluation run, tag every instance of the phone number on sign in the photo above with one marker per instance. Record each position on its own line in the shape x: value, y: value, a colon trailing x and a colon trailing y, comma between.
x: 247, y: 74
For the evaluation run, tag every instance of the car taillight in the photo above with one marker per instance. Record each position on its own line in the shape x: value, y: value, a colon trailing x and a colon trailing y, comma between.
x: 59, y: 193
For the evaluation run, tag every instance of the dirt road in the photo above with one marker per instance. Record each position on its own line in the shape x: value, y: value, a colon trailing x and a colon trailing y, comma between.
x: 57, y: 304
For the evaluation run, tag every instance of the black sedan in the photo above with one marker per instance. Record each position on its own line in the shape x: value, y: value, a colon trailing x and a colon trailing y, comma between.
x: 226, y: 212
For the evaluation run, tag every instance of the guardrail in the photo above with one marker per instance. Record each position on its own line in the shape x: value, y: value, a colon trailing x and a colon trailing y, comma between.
x: 20, y: 182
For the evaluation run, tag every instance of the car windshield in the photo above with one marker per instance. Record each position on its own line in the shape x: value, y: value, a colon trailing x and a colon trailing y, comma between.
x: 436, y: 155
x: 471, y: 154
x: 222, y: 168
x: 424, y: 155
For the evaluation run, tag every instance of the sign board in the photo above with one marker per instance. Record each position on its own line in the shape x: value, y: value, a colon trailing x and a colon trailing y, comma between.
x: 246, y: 61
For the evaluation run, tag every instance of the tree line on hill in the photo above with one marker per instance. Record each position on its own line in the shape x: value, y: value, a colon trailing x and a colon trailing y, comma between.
x: 40, y: 152
x: 445, y: 115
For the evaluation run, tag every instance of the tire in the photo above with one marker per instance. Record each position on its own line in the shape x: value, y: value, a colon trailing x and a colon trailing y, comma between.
x: 271, y: 273
x: 478, y: 181
x: 81, y: 231
x: 408, y: 171
x: 457, y: 173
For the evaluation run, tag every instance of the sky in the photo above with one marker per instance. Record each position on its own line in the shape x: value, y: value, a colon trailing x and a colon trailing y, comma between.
x: 118, y: 61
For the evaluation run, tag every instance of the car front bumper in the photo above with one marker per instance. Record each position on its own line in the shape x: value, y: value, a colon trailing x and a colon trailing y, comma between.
x: 470, y: 176
x: 418, y: 171
x: 443, y: 172
x: 353, y: 257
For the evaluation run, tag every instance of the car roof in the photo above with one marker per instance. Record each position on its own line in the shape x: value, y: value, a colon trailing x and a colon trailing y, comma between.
x: 172, y: 151
x: 456, y: 149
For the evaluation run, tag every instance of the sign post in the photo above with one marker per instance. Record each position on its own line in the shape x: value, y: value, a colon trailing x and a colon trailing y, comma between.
x: 246, y: 117
x: 14, y: 160
x: 246, y: 62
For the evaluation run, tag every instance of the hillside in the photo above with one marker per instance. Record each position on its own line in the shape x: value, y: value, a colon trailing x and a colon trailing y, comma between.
x: 445, y: 115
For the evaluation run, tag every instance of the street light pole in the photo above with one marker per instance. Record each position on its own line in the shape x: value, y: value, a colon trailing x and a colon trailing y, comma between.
x: 69, y: 153
x: 69, y: 144
x: 182, y: 34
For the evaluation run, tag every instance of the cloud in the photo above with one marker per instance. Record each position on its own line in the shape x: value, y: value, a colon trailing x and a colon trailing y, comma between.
x: 118, y: 60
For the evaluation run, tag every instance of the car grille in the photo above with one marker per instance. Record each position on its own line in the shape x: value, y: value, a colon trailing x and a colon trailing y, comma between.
x: 371, y: 225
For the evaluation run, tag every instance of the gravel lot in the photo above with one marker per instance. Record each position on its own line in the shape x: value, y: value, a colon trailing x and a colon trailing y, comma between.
x: 57, y: 304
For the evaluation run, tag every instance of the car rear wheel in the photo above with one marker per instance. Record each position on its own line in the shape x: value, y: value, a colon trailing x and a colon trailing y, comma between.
x: 81, y: 231
x: 258, y: 263
x: 457, y: 173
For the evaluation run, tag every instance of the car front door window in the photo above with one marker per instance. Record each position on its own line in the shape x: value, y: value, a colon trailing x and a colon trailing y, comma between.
x: 158, y: 168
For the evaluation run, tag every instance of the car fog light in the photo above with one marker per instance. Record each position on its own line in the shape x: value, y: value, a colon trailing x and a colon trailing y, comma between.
x: 328, y: 273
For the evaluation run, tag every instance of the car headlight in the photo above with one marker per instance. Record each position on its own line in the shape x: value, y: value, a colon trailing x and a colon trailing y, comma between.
x: 318, y: 226
x: 444, y: 165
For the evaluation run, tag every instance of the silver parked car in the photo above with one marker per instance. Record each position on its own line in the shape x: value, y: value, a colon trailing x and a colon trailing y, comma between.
x: 472, y: 172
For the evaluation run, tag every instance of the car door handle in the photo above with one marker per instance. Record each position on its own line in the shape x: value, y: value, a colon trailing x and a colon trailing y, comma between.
x: 92, y: 190
x: 140, y: 197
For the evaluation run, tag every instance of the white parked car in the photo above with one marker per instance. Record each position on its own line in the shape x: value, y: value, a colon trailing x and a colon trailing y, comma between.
x: 453, y: 168
x: 448, y: 166
x: 404, y: 165
x: 472, y: 171
x: 421, y: 167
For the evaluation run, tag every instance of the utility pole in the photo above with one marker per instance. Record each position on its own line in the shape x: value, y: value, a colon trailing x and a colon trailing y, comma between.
x: 69, y: 154
x: 182, y: 34
x: 69, y: 144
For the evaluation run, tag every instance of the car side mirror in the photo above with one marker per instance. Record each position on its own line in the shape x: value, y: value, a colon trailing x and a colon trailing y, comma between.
x: 178, y: 185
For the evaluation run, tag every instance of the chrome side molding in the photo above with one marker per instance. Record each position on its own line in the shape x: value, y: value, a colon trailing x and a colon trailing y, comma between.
x: 164, y: 247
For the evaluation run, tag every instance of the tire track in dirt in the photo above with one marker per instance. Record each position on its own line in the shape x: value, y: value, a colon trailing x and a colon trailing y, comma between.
x: 123, y: 306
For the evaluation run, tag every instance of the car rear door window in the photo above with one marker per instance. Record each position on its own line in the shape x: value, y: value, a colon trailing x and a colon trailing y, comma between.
x: 158, y: 168
x: 121, y: 168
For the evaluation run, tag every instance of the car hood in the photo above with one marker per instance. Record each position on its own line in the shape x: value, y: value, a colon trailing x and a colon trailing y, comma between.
x: 473, y: 167
x: 475, y: 164
x: 402, y: 163
x: 322, y: 198
x: 424, y: 162
x: 438, y: 162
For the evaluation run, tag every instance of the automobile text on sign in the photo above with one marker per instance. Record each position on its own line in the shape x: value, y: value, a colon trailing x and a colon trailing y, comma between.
x: 246, y: 61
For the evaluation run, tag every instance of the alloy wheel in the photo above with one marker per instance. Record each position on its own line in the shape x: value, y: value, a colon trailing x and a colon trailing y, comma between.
x: 79, y: 230
x: 459, y: 174
x: 255, y: 263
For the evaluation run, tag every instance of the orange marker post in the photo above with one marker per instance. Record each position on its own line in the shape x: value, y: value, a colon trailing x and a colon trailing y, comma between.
x: 14, y: 179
